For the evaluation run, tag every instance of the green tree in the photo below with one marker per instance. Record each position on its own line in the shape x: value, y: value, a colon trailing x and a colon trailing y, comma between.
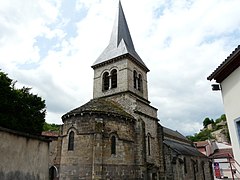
x: 207, y: 121
x: 206, y: 133
x: 19, y: 109
x: 50, y: 127
x: 222, y: 118
x: 201, y: 136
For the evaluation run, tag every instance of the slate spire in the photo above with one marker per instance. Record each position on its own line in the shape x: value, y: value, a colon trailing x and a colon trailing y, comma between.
x: 120, y: 42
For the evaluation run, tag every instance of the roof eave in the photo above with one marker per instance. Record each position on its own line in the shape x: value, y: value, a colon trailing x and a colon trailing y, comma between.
x: 127, y: 55
x: 231, y: 63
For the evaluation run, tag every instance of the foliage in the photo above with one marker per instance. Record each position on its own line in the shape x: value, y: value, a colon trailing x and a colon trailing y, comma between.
x: 19, y: 109
x: 205, y: 133
x: 50, y: 127
x: 201, y: 136
x: 207, y: 121
x: 222, y: 118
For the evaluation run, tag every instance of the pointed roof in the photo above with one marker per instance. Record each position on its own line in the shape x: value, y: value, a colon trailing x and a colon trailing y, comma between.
x: 120, y: 43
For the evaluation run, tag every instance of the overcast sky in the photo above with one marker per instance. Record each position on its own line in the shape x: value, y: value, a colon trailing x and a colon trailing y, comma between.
x: 50, y: 45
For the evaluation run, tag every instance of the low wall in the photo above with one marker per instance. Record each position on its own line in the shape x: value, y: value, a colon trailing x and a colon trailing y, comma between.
x: 23, y: 156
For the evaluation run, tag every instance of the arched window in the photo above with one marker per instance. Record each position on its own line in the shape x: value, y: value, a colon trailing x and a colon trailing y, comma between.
x: 105, y: 81
x: 135, y: 79
x: 140, y: 82
x: 71, y: 141
x: 113, y: 145
x: 149, y: 144
x: 114, y: 78
x: 53, y: 173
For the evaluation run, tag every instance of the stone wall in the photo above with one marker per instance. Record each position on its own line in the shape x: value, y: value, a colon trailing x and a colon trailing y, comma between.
x: 23, y: 157
x: 91, y: 157
x: 182, y: 167
x: 142, y: 111
x: 125, y: 68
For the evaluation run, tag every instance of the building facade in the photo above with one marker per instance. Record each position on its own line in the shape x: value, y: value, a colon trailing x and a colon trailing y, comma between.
x: 117, y: 134
x: 228, y: 76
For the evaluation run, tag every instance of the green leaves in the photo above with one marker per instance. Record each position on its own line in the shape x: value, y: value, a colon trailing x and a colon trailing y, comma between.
x: 51, y: 127
x: 19, y: 109
x: 206, y: 132
x: 207, y: 121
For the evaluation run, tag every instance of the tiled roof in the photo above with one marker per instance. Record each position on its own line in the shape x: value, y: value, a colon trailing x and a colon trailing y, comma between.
x: 231, y: 63
x: 183, y: 149
x: 222, y: 153
x: 50, y: 133
x: 120, y: 44
x: 201, y: 143
x: 174, y: 135
x: 99, y: 105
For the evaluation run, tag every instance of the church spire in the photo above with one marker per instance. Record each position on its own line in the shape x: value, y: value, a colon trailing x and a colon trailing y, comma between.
x: 120, y: 42
x: 120, y: 30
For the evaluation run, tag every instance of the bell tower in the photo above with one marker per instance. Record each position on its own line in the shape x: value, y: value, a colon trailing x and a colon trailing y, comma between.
x: 119, y: 69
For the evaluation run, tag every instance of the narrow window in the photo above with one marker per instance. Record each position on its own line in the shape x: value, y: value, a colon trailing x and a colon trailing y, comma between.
x: 203, y: 171
x: 185, y: 165
x: 113, y: 145
x: 196, y: 165
x: 238, y: 128
x: 135, y: 79
x: 105, y: 81
x: 140, y: 82
x: 71, y: 141
x: 149, y: 144
x: 114, y: 78
x: 194, y: 169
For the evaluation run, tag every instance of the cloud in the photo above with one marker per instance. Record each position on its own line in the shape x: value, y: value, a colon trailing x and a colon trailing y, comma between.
x: 51, y: 45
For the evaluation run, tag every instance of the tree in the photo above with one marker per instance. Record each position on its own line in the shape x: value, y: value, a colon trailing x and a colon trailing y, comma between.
x: 222, y: 118
x: 19, y: 109
x: 201, y: 136
x: 207, y: 121
x: 51, y: 127
x: 206, y: 133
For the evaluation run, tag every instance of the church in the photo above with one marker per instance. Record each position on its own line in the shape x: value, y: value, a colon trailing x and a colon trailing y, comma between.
x: 117, y: 134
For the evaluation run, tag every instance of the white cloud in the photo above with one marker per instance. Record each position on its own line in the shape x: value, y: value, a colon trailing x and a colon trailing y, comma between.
x: 181, y: 42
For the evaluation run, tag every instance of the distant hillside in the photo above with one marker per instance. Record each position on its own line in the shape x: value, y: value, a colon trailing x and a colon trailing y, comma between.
x: 213, y: 129
x: 51, y: 127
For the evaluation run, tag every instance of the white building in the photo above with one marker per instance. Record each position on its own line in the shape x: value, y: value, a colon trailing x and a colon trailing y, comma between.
x: 228, y: 76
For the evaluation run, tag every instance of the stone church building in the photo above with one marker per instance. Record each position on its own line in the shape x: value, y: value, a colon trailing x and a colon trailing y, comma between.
x: 117, y: 135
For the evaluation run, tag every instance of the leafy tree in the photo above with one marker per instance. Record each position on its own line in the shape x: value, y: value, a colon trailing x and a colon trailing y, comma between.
x: 19, y: 109
x: 201, y: 136
x: 222, y: 118
x: 207, y: 121
x: 50, y: 127
x: 206, y: 133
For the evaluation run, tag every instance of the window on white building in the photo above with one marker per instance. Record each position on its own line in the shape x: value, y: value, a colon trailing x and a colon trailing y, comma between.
x: 238, y: 128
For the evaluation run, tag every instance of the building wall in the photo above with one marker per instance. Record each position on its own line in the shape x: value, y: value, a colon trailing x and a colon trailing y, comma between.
x: 142, y: 111
x: 125, y: 70
x: 231, y: 99
x: 182, y: 167
x: 22, y: 156
x: 55, y: 148
x: 91, y: 157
